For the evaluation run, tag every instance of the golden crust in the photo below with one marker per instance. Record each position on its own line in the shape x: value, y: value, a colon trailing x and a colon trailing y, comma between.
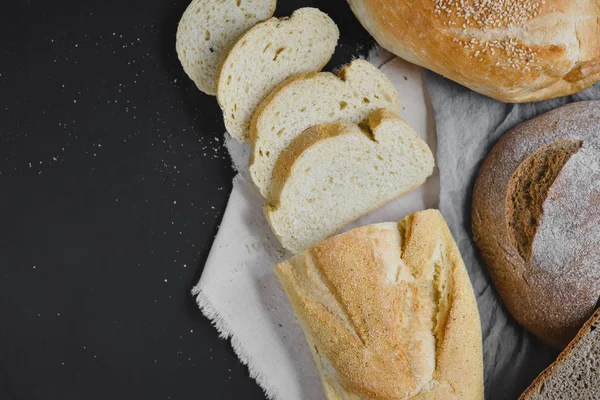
x: 389, y: 312
x: 512, y: 51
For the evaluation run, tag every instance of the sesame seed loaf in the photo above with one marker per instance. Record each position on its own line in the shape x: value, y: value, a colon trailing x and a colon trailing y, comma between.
x: 208, y: 29
x: 268, y: 54
x: 332, y: 174
x: 536, y: 220
x: 311, y: 99
x: 389, y: 312
x: 510, y: 50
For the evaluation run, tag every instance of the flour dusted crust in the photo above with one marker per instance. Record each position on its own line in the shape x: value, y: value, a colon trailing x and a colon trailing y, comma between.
x: 389, y: 312
x: 510, y: 50
x: 553, y: 288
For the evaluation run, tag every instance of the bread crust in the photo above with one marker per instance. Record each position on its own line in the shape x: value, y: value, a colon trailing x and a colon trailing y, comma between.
x: 536, y: 385
x: 371, y: 299
x: 553, y: 291
x: 512, y: 51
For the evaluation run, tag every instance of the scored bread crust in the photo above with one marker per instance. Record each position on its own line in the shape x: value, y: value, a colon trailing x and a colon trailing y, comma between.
x: 374, y: 138
x: 359, y: 88
x: 207, y: 30
x: 537, y: 385
x: 552, y: 287
x: 389, y: 312
x: 313, y: 48
x: 512, y: 51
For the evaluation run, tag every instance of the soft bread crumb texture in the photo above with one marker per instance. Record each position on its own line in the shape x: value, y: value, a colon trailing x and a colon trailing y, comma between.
x: 265, y: 56
x: 536, y: 220
x: 529, y: 188
x: 208, y: 29
x: 389, y: 312
x: 576, y: 373
x: 310, y: 99
x: 510, y: 50
x: 332, y: 174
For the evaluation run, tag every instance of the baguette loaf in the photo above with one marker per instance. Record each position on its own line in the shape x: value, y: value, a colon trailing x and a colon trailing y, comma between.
x: 576, y: 373
x: 510, y: 50
x: 311, y: 99
x: 389, y: 312
x: 265, y: 56
x: 333, y: 174
x: 536, y: 220
x: 208, y: 29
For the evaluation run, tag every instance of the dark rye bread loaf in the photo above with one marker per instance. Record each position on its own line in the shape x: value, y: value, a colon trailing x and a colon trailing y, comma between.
x: 575, y: 375
x: 536, y: 220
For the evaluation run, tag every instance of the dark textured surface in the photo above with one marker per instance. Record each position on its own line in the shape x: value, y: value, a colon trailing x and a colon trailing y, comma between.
x: 113, y: 181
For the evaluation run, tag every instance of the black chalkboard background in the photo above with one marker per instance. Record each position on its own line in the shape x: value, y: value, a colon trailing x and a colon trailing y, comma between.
x: 113, y: 181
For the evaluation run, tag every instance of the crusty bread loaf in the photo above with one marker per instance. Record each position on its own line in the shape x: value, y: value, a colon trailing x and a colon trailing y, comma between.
x: 536, y: 219
x: 389, y: 312
x: 332, y: 174
x: 208, y: 29
x: 268, y: 54
x: 576, y: 373
x: 510, y: 50
x: 311, y: 99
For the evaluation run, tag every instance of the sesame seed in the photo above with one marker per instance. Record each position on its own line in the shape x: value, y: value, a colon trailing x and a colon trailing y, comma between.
x: 485, y: 15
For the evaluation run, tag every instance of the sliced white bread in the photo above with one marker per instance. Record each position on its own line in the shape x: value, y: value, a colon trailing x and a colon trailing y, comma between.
x: 265, y: 56
x: 310, y: 99
x: 576, y: 373
x: 208, y: 29
x: 332, y: 174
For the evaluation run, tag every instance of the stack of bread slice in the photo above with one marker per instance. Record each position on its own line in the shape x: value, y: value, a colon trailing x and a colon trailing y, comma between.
x: 325, y: 149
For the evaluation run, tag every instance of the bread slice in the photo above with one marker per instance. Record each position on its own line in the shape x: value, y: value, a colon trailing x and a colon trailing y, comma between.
x: 208, y: 29
x: 575, y: 375
x: 332, y: 174
x: 268, y: 54
x: 389, y: 312
x: 310, y: 99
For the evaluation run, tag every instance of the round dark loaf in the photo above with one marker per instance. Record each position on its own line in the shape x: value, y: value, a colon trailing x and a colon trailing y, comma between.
x: 536, y: 220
